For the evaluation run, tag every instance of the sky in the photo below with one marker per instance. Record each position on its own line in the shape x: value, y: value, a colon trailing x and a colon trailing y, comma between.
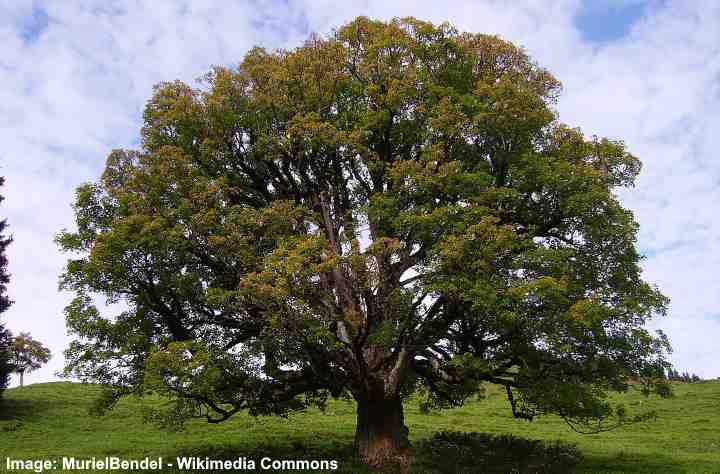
x: 75, y: 75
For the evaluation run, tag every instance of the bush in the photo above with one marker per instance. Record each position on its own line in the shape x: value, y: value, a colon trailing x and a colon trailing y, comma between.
x: 458, y: 452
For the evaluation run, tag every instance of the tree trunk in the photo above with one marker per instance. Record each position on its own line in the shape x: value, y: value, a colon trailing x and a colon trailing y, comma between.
x: 21, y: 378
x: 381, y: 437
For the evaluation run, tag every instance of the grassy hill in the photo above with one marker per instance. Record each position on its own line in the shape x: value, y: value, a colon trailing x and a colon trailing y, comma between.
x: 48, y: 421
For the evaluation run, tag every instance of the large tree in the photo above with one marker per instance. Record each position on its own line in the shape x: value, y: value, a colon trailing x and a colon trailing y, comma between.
x: 394, y: 208
x: 5, y: 335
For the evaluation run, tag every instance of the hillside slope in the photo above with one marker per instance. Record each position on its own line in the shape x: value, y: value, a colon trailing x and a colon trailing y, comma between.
x: 48, y: 421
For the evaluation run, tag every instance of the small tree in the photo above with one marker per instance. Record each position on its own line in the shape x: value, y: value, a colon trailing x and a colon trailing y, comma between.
x: 28, y: 355
x: 395, y: 208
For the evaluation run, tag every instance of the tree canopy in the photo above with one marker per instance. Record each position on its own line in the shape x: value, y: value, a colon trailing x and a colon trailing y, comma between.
x: 394, y: 208
x: 28, y: 355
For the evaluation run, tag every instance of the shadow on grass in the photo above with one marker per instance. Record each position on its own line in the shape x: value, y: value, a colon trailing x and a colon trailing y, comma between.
x: 14, y: 411
x: 456, y: 452
x: 16, y: 408
x: 446, y: 452
x: 293, y: 449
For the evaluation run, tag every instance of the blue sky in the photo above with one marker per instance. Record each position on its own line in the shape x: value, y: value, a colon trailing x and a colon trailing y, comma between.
x: 76, y: 75
x: 606, y: 21
x: 33, y: 24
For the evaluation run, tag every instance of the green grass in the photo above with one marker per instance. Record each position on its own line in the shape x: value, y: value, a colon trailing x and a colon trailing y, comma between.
x: 48, y: 421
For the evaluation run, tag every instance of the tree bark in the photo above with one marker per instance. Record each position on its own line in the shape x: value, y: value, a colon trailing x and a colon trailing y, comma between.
x: 381, y: 437
x: 21, y: 378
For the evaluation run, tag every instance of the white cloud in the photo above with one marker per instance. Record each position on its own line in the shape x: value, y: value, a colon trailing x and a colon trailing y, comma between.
x: 77, y: 90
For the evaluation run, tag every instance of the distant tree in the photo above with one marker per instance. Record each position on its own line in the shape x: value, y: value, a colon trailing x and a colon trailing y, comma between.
x: 395, y: 208
x: 5, y: 335
x: 686, y: 377
x: 28, y: 355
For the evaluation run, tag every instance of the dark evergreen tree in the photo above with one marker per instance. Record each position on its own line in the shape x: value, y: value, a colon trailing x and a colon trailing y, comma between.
x: 5, y: 336
x: 5, y: 365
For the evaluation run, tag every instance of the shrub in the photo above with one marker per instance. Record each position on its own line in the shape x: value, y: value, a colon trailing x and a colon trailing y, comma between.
x: 459, y: 452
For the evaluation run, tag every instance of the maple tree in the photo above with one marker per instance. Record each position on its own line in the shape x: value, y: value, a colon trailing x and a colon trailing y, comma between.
x: 392, y: 209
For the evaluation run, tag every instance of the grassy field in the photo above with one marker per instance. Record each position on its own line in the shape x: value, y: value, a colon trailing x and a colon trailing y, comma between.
x: 48, y: 421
